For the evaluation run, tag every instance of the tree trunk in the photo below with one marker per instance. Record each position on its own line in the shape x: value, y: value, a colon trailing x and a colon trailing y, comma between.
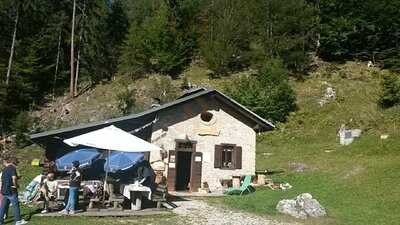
x: 77, y: 73
x: 79, y: 50
x: 318, y: 43
x: 12, y: 47
x: 57, y: 62
x: 72, y: 60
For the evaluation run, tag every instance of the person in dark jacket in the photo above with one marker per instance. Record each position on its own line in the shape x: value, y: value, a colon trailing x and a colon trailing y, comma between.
x: 74, y: 185
x: 9, y: 185
x: 146, y: 175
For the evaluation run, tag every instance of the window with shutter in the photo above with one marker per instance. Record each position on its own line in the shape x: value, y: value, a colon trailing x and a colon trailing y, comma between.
x: 218, y: 156
x: 227, y: 159
x: 228, y: 156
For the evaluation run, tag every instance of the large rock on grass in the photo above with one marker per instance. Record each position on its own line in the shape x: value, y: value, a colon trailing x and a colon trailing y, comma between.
x: 302, y: 206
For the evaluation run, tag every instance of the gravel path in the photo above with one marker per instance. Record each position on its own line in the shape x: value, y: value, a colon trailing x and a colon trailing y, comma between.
x: 200, y: 213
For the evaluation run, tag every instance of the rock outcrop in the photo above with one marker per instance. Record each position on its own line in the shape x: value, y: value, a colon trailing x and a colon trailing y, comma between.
x: 302, y: 206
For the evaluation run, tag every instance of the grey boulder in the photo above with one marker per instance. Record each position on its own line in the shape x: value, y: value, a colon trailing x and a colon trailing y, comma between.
x: 301, y: 207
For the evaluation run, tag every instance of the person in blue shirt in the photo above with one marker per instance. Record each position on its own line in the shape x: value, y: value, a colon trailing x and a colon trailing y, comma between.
x: 74, y: 185
x: 9, y: 186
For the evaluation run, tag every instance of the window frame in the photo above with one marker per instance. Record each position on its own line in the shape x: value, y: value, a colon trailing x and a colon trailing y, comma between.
x: 224, y: 153
x: 235, y: 156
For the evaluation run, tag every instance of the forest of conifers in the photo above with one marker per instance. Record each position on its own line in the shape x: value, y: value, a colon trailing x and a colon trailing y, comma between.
x: 51, y: 47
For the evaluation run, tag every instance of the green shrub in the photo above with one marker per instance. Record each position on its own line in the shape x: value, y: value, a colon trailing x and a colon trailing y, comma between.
x: 288, y: 30
x: 390, y: 91
x: 163, y: 89
x: 21, y: 125
x: 185, y: 84
x: 126, y: 100
x: 159, y: 42
x: 226, y: 43
x: 268, y: 93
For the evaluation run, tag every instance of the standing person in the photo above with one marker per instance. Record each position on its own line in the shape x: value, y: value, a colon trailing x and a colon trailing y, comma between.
x: 74, y: 185
x: 9, y: 186
x: 2, y: 200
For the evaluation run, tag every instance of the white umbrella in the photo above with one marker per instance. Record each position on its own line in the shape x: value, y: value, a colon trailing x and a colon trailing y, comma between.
x: 112, y: 138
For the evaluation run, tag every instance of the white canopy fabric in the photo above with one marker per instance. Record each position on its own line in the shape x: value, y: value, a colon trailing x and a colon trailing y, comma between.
x: 112, y: 138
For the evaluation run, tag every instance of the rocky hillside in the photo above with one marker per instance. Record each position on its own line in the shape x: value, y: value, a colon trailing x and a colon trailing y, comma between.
x: 109, y: 100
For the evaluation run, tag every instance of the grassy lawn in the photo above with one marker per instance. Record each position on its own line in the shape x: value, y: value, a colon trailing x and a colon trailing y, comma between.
x: 138, y: 220
x: 358, y: 184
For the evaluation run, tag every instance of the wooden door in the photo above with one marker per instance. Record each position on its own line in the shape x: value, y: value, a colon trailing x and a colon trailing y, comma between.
x: 171, y: 180
x: 195, y: 177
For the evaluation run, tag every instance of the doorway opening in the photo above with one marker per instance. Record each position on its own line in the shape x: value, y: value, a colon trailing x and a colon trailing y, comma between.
x: 183, y: 170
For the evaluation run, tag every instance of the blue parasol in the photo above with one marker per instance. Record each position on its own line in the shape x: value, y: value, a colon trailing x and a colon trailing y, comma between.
x: 122, y: 160
x: 85, y: 156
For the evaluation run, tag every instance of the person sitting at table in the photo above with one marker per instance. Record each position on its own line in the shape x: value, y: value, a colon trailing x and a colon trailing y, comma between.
x: 74, y: 185
x: 146, y: 175
x: 49, y: 190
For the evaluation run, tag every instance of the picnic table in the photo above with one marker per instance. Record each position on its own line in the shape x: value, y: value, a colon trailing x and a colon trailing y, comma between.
x: 135, y: 192
x: 63, y: 186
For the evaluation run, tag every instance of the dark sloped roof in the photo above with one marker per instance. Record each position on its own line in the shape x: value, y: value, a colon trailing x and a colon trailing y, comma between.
x: 192, y: 91
x: 133, y: 121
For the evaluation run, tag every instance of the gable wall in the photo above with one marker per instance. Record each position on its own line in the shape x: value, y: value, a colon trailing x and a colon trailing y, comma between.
x: 184, y: 122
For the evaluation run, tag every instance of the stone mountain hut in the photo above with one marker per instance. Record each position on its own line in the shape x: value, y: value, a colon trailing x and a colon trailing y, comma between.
x: 206, y: 138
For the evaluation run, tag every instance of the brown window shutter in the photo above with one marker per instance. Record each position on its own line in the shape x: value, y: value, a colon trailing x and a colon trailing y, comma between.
x: 218, y: 156
x: 238, y: 157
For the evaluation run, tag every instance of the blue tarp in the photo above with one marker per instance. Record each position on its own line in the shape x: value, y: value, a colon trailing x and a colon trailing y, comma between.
x: 122, y: 160
x: 85, y: 156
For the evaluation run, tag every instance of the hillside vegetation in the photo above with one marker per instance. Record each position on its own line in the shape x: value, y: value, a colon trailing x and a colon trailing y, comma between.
x: 356, y: 183
x: 51, y: 48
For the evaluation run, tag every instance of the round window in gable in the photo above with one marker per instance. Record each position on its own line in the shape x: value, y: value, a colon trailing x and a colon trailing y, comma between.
x: 206, y: 116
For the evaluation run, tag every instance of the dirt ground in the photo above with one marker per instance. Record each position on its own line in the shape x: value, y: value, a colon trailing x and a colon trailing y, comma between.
x: 200, y: 213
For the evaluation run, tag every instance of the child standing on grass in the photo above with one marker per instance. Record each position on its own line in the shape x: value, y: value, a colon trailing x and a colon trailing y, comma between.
x: 74, y: 185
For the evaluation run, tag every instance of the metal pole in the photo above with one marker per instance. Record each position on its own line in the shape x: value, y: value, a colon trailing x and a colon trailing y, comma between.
x: 106, y: 177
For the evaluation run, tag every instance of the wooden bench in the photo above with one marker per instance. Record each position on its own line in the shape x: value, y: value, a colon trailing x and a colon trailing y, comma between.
x: 116, y: 201
x: 159, y: 195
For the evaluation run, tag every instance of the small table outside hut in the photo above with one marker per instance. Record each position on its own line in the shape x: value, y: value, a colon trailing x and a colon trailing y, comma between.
x: 261, y: 176
x: 236, y: 181
x: 134, y: 192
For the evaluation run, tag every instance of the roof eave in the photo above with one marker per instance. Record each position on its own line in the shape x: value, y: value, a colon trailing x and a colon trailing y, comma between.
x: 264, y: 124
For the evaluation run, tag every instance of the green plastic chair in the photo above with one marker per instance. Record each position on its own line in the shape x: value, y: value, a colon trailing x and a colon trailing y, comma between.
x: 245, y: 187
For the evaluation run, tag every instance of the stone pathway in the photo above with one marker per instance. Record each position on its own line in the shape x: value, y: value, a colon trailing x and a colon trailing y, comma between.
x: 200, y: 213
